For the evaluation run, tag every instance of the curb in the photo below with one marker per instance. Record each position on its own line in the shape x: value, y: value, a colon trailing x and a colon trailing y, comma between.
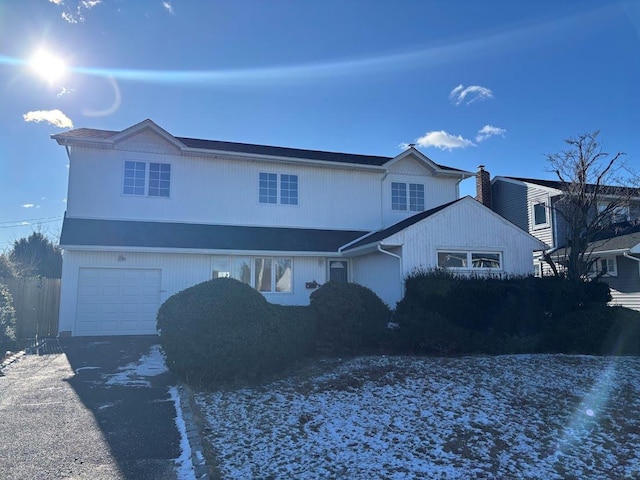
x: 198, y: 458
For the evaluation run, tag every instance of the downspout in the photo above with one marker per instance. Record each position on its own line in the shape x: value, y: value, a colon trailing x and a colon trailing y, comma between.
x: 381, y: 250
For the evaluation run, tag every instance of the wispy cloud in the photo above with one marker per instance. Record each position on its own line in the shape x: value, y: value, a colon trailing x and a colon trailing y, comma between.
x: 168, y: 7
x: 74, y: 11
x: 28, y: 205
x: 489, y: 131
x: 65, y: 91
x: 54, y: 117
x: 442, y: 140
x: 473, y: 93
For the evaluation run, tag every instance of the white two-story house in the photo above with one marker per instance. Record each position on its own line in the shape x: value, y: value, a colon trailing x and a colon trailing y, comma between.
x: 150, y: 214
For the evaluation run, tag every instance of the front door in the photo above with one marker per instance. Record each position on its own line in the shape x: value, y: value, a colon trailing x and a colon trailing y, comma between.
x: 338, y: 271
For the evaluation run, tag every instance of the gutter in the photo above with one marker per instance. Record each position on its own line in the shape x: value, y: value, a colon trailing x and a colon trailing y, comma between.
x: 625, y: 254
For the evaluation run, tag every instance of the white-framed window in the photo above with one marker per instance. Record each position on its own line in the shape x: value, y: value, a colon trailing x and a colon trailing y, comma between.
x: 540, y: 214
x: 607, y: 266
x: 400, y: 191
x: 152, y: 179
x: 469, y: 260
x: 265, y: 274
x: 270, y: 190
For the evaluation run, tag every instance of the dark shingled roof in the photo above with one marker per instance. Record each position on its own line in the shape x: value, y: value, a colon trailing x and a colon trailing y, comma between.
x: 120, y: 233
x: 556, y: 184
x: 234, y: 147
x: 393, y: 229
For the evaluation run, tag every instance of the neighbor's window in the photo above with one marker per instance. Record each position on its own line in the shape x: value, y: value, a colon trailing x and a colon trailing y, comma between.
x: 606, y: 266
x: 265, y: 274
x: 220, y: 267
x: 241, y: 269
x: 262, y: 274
x: 539, y: 214
x: 136, y: 175
x: 399, y: 193
x: 470, y: 259
x: 268, y: 189
x: 282, y: 274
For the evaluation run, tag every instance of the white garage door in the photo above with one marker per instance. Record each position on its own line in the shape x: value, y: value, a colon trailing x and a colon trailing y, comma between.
x: 117, y: 301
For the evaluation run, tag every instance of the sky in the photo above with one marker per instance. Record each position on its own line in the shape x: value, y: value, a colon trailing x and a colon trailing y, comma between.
x: 498, y: 83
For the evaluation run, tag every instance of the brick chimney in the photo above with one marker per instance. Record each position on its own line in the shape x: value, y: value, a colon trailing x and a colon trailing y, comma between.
x: 483, y: 186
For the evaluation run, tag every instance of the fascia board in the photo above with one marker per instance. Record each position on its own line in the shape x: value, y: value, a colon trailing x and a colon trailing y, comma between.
x: 197, y: 251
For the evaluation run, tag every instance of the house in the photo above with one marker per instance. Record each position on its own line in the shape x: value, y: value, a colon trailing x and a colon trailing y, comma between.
x: 150, y: 214
x: 533, y: 204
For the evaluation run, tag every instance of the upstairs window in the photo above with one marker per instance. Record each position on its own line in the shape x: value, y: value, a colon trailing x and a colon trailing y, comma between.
x: 269, y: 190
x: 401, y: 191
x: 154, y: 181
x: 540, y: 214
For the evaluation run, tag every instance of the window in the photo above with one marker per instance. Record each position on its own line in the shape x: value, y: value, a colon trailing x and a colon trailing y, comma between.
x: 614, y: 213
x: 135, y: 179
x: 470, y: 260
x: 268, y: 189
x: 159, y: 179
x: 399, y: 196
x: 265, y: 274
x: 416, y: 197
x: 540, y: 214
x: 289, y: 189
x: 605, y: 266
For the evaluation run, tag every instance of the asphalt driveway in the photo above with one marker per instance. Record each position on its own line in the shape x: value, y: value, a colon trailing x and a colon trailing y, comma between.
x: 63, y: 416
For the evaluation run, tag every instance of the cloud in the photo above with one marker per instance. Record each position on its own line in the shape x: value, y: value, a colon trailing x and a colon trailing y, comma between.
x: 65, y: 91
x: 28, y: 205
x: 442, y: 140
x: 75, y: 14
x: 489, y: 131
x: 54, y: 117
x: 474, y: 92
x: 168, y: 7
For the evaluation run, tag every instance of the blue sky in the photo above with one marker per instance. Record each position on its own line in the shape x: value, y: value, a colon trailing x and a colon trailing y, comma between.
x: 497, y: 82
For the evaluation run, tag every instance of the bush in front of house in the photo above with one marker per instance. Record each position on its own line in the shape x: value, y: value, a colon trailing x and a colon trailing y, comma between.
x: 349, y: 317
x: 499, y: 315
x: 224, y: 330
x: 7, y: 320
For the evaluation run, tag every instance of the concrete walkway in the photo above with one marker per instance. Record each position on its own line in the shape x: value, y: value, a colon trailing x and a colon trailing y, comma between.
x: 60, y: 418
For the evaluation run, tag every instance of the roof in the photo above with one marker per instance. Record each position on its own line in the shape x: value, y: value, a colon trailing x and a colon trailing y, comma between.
x: 85, y: 134
x: 407, y: 222
x: 123, y: 233
x: 557, y: 185
x: 620, y: 243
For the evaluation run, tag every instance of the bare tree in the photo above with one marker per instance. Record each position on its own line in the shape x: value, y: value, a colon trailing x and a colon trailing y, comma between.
x: 596, y: 187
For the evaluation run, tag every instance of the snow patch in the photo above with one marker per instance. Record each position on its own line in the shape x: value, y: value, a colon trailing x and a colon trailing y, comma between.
x: 135, y: 374
x: 184, y: 464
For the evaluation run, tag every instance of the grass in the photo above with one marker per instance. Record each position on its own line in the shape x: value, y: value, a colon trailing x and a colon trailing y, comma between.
x: 516, y: 416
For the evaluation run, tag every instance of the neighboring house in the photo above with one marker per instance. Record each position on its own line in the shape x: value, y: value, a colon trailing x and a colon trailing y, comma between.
x: 149, y: 214
x: 532, y: 205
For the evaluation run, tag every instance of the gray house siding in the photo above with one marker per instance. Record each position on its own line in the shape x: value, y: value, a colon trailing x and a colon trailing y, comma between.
x: 510, y: 201
x: 625, y: 288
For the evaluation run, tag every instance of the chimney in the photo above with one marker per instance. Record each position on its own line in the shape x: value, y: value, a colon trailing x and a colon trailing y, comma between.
x: 483, y: 186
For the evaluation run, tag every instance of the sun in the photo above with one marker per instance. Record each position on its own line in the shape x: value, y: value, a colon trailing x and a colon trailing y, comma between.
x: 48, y: 66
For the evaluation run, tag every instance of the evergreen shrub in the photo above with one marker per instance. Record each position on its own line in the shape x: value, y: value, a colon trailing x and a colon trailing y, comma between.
x: 223, y: 329
x: 349, y: 316
x: 7, y: 321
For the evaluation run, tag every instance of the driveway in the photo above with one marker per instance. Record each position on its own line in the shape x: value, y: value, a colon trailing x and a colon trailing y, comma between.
x: 89, y: 408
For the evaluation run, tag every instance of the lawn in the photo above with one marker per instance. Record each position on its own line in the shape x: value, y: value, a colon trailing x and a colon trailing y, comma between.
x: 518, y: 416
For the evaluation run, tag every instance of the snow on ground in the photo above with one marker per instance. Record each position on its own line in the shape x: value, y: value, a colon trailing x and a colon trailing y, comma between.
x: 134, y: 374
x: 520, y: 416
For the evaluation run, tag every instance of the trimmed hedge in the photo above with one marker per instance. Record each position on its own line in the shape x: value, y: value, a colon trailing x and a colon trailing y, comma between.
x: 225, y: 330
x: 444, y: 312
x: 350, y: 317
x: 7, y: 320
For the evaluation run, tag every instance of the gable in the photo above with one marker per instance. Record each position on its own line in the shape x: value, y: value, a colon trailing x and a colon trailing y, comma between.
x: 147, y: 141
x: 410, y: 166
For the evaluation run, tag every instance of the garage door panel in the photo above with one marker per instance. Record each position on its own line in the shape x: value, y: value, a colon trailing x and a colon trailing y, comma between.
x: 116, y: 301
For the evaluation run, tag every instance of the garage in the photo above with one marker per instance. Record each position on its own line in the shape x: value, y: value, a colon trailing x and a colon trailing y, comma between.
x: 117, y: 301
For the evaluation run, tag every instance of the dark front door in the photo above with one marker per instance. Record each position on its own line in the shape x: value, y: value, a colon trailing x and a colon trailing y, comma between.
x: 338, y: 271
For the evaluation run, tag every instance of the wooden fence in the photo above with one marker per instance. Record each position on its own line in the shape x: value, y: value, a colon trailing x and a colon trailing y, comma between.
x: 37, y: 302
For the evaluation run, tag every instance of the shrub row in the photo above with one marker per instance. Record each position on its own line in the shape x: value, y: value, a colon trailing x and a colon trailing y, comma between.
x: 444, y: 313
